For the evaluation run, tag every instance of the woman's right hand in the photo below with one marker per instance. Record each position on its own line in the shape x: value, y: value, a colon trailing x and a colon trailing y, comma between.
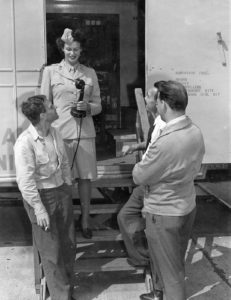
x: 81, y: 105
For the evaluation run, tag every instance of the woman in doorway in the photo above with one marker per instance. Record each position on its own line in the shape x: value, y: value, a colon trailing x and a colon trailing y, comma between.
x: 74, y: 88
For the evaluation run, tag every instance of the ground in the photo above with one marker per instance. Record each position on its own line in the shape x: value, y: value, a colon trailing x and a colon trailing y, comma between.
x: 208, y: 266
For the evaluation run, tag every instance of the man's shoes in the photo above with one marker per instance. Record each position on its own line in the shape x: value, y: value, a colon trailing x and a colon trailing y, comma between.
x: 86, y: 233
x: 136, y: 263
x: 158, y: 295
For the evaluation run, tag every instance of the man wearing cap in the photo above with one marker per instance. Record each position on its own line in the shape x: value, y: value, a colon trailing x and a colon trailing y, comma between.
x: 168, y: 171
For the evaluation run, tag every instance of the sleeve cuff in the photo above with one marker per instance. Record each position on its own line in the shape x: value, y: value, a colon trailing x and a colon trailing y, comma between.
x: 68, y: 182
x: 88, y: 109
x: 39, y: 209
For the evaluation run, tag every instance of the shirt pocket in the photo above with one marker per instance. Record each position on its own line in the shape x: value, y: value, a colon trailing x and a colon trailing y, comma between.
x: 57, y: 80
x: 42, y: 164
x: 42, y: 158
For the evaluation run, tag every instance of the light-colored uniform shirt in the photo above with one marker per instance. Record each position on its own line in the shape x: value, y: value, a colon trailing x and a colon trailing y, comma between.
x: 58, y: 85
x: 40, y: 163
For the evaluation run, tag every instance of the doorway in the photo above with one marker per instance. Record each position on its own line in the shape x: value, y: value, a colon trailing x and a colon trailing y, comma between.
x: 102, y: 44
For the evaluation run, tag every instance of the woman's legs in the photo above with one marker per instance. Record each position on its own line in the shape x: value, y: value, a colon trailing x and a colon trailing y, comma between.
x: 84, y: 170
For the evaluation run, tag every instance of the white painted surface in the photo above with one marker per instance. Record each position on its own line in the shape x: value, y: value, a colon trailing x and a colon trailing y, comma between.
x: 182, y: 44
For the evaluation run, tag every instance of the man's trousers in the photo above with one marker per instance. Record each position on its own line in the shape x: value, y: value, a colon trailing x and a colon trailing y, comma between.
x: 132, y: 225
x: 57, y: 246
x: 168, y: 238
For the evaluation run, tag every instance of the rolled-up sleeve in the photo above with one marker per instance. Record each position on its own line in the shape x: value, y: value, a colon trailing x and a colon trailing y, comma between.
x: 25, y: 169
x: 95, y: 100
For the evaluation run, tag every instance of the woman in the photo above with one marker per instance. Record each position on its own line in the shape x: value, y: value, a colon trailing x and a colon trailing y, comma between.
x: 59, y: 85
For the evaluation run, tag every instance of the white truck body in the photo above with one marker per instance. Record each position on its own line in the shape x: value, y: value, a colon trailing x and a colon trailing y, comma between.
x: 188, y: 41
x: 22, y: 55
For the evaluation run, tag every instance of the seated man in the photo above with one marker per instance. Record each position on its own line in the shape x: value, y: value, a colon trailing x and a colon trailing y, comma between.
x: 130, y: 220
x: 44, y: 179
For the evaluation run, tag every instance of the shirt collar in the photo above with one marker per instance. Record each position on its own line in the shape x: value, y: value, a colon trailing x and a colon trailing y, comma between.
x: 70, y: 68
x: 176, y: 120
x: 159, y: 121
x: 33, y: 131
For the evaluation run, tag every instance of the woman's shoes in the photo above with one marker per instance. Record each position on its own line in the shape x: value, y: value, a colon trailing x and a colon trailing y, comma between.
x: 86, y: 233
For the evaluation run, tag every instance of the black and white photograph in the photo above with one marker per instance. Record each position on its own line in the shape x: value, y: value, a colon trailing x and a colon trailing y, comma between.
x: 115, y: 157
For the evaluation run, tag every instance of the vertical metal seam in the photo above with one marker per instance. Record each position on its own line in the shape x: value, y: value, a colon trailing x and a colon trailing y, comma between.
x: 45, y: 31
x: 14, y: 64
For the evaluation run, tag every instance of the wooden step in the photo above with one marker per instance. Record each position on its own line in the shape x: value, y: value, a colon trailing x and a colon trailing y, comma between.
x: 105, y: 265
x: 16, y: 195
x: 102, y: 249
x: 100, y: 208
x: 220, y: 190
x: 100, y: 236
x: 114, y: 181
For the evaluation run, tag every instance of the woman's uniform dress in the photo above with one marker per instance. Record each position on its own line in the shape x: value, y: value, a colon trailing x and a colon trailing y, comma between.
x: 58, y: 84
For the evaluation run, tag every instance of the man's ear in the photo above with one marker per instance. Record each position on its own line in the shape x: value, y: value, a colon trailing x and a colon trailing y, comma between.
x: 42, y: 115
x: 165, y: 106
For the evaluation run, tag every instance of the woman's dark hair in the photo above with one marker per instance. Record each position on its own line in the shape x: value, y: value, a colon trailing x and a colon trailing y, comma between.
x: 173, y: 93
x: 77, y: 35
x: 33, y: 107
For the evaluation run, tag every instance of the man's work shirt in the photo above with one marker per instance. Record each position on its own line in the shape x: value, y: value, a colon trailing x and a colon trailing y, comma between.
x: 169, y: 168
x: 41, y: 163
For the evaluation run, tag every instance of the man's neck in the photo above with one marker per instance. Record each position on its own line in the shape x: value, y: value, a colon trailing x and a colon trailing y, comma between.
x: 173, y: 115
x: 43, y: 129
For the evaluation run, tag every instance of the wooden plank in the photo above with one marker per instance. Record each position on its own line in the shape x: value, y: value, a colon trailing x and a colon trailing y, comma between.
x: 100, y: 208
x: 121, y: 134
x: 100, y: 235
x: 102, y: 249
x: 104, y: 265
x: 11, y: 195
x: 142, y: 112
x: 220, y: 190
x: 115, y: 168
x: 114, y: 182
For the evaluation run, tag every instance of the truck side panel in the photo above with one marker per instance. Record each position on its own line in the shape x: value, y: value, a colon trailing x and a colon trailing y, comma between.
x: 189, y: 41
x: 22, y: 56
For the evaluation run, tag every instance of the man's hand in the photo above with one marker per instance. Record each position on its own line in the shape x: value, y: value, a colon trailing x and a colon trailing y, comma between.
x: 127, y: 150
x: 43, y: 220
